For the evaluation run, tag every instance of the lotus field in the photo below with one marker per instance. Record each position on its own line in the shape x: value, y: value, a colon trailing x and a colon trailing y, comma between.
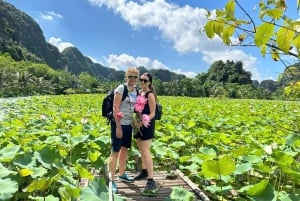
x: 232, y: 149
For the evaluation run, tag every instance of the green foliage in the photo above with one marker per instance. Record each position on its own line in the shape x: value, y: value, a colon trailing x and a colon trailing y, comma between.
x: 8, y: 188
x: 181, y: 194
x: 97, y: 191
x: 276, y: 27
x: 215, y: 169
x: 293, y: 90
x: 276, y: 35
x: 49, y: 142
x: 22, y: 39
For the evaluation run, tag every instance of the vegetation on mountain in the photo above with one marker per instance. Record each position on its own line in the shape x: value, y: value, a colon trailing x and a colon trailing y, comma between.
x: 276, y: 34
x: 25, y: 54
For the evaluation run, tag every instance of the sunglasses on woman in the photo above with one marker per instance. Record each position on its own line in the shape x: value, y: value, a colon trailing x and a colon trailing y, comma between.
x: 144, y: 80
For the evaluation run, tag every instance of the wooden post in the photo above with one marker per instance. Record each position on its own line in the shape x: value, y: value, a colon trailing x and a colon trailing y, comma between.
x: 193, y: 186
x: 110, y: 191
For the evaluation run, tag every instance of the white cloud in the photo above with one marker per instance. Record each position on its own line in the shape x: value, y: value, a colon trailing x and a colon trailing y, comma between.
x: 59, y: 43
x: 123, y: 61
x: 179, y: 25
x: 49, y: 15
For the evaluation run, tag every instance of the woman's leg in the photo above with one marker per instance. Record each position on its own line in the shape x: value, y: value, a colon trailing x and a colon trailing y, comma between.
x: 139, y: 143
x: 143, y: 173
x: 146, y: 156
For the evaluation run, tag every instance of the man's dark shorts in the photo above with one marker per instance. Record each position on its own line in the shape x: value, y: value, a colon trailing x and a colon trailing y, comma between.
x: 125, y: 141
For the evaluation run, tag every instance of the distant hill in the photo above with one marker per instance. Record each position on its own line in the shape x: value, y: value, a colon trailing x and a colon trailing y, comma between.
x: 23, y: 39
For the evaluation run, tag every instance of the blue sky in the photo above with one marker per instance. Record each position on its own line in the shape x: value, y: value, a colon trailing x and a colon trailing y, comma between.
x: 155, y: 34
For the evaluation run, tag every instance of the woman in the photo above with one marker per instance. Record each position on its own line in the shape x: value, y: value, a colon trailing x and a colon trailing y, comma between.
x: 121, y: 127
x: 145, y: 133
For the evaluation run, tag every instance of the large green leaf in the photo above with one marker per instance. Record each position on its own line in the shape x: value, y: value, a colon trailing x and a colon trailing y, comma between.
x: 218, y: 168
x: 210, y: 29
x: 8, y: 153
x: 83, y: 172
x: 275, y: 13
x: 47, y: 156
x: 41, y: 184
x: 4, y: 171
x: 25, y: 160
x: 8, y: 188
x: 69, y: 191
x: 284, y: 38
x: 229, y: 9
x: 263, y: 34
x: 78, y: 139
x: 218, y: 28
x: 243, y: 168
x: 261, y: 191
x: 227, y: 33
x: 179, y: 193
x: 97, y: 191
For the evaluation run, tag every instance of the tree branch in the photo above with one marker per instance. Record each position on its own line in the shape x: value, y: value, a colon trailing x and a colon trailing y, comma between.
x: 252, y: 21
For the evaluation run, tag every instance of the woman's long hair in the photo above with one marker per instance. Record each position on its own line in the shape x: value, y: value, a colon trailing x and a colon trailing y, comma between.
x: 152, y: 88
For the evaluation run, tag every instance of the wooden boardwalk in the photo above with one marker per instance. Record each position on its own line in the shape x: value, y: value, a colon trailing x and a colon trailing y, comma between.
x: 132, y: 191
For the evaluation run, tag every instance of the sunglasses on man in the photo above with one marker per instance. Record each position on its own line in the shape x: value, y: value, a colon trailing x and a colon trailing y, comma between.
x: 132, y: 77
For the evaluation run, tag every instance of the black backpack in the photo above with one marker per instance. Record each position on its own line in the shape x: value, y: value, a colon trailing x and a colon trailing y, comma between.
x: 158, y: 109
x: 107, y: 103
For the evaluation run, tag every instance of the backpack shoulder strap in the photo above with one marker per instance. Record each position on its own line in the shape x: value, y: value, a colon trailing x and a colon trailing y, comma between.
x: 125, y: 92
x: 146, y: 95
x: 137, y: 90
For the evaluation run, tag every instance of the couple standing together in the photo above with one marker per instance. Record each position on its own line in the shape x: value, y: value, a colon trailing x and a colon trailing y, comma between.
x: 123, y: 124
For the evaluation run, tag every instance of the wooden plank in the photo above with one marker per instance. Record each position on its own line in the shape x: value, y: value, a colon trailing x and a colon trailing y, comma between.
x: 132, y: 191
x: 195, y: 189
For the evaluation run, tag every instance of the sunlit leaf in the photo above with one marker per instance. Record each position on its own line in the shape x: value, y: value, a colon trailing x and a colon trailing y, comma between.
x: 38, y: 185
x: 220, y: 13
x: 93, y: 155
x: 191, y: 123
x: 217, y: 168
x: 25, y: 172
x: 263, y: 50
x: 218, y: 28
x: 227, y: 33
x: 284, y: 38
x: 263, y: 33
x: 229, y: 9
x: 83, y: 172
x: 275, y: 13
x: 210, y: 29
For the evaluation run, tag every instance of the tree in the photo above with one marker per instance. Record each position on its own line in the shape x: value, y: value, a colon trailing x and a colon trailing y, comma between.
x: 276, y: 35
x: 88, y: 83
